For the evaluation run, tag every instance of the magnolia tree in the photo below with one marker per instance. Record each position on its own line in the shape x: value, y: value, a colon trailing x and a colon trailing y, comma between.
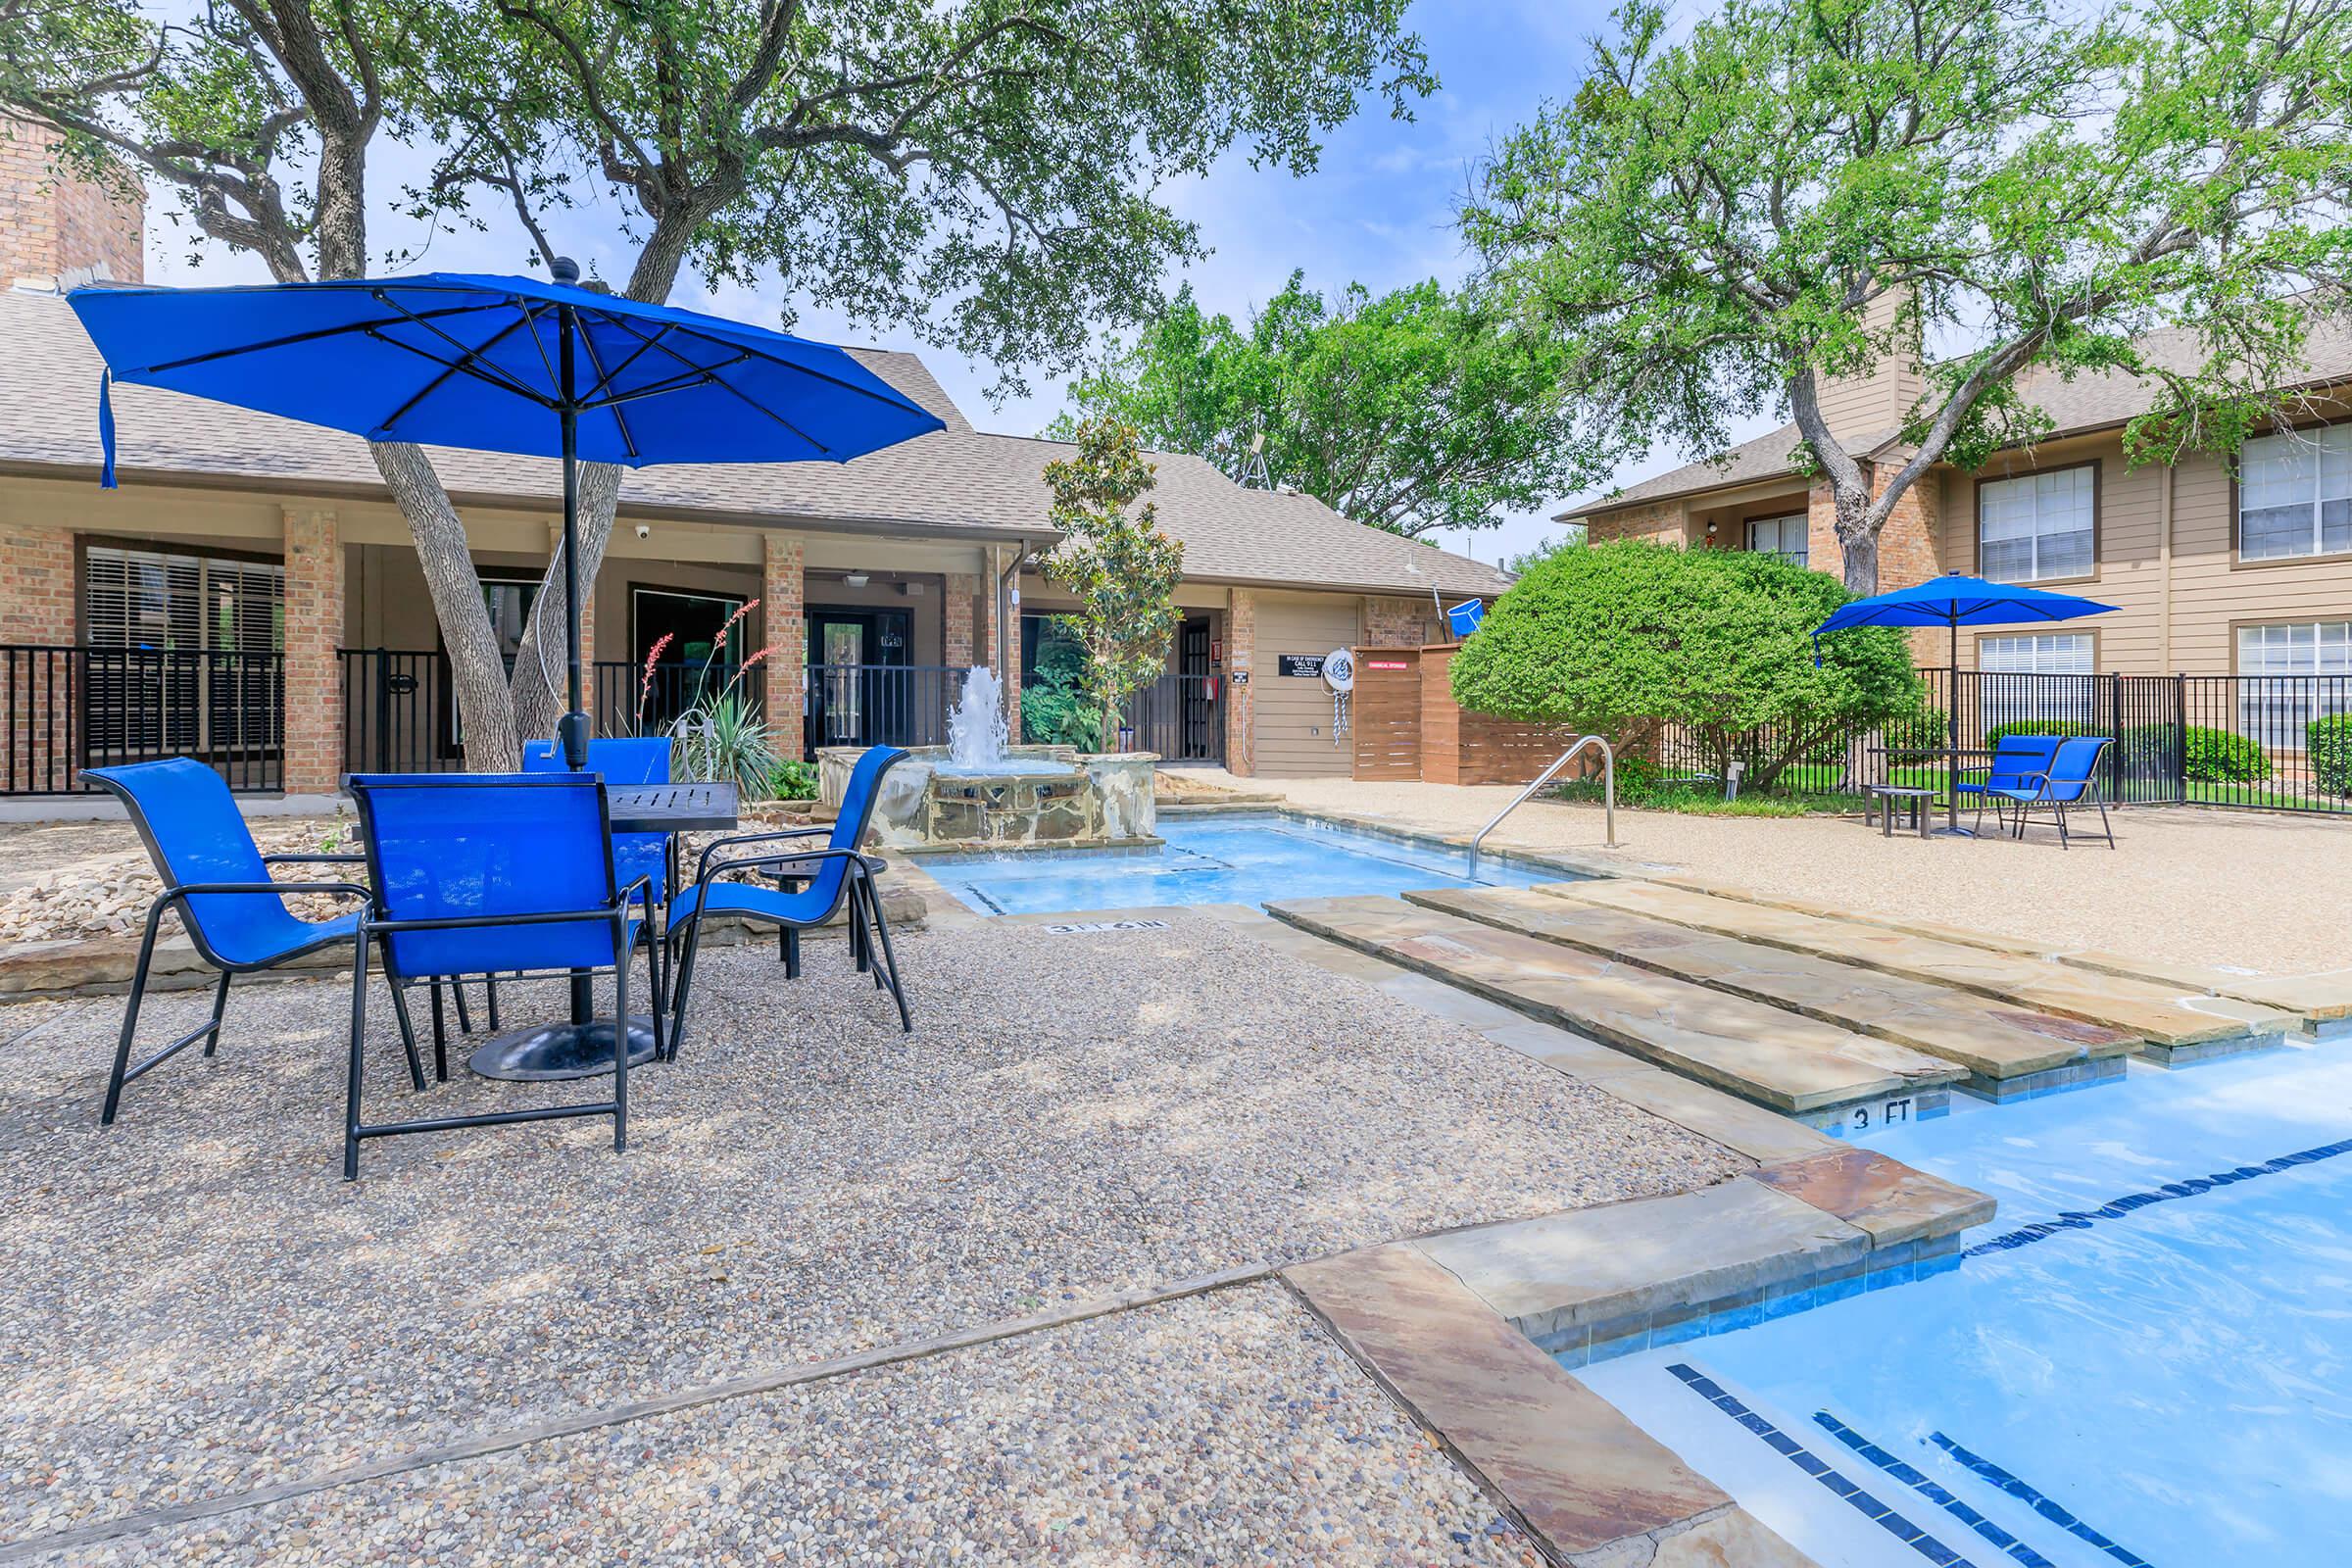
x: 1720, y: 222
x: 985, y: 175
x: 1122, y: 570
x: 1618, y: 637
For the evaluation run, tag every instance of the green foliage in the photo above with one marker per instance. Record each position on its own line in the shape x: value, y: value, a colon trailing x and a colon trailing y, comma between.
x: 1724, y: 217
x: 1415, y: 410
x: 2328, y: 742
x: 1122, y: 570
x: 2219, y: 756
x: 1618, y: 635
x: 1054, y: 708
x: 793, y: 780
x: 725, y: 739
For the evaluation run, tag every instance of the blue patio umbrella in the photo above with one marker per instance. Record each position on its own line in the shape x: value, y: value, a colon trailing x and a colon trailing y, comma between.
x: 1952, y: 602
x: 503, y: 365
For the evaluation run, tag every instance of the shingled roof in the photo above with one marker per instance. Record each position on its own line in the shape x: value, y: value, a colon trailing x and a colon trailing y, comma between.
x: 2089, y: 402
x: 952, y: 482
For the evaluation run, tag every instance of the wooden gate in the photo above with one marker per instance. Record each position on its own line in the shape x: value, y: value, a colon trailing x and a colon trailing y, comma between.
x: 1386, y: 712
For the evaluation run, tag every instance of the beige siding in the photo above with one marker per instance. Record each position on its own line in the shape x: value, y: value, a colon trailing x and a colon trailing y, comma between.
x: 2213, y: 595
x: 1293, y: 713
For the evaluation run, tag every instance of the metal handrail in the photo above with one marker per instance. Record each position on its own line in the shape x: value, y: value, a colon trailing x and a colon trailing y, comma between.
x: 1608, y: 792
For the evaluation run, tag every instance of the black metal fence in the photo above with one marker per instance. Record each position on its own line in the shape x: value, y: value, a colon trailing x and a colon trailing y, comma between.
x: 2270, y: 742
x: 1178, y: 718
x: 73, y: 708
x: 880, y: 705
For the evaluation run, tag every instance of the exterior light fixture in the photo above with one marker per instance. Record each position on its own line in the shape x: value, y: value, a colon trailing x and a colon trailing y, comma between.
x: 856, y: 579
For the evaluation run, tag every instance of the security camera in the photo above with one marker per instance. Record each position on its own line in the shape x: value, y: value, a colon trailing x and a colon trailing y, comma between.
x: 644, y: 532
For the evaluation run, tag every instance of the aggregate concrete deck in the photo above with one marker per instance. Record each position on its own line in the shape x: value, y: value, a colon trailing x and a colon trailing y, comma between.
x: 1997, y: 1042
x: 2169, y: 1023
x: 1789, y: 1064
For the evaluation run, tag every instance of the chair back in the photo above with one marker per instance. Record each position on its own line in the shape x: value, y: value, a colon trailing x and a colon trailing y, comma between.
x: 622, y: 759
x: 2075, y: 767
x: 857, y: 800
x: 2020, y: 760
x: 195, y: 833
x: 482, y: 846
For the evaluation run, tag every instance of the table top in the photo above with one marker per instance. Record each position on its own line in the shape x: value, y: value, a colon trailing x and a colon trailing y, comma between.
x: 1897, y: 789
x: 672, y: 808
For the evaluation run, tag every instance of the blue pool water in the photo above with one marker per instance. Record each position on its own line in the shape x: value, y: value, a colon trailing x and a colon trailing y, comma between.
x: 1222, y: 859
x: 2165, y: 1379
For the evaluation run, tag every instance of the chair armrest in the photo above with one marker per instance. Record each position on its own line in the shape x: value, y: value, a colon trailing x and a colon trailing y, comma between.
x: 757, y: 861
x: 320, y: 858
x: 703, y: 865
x: 191, y: 889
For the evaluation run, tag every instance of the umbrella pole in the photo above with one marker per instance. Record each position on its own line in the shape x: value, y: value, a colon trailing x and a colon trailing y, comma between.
x: 1952, y: 734
x: 572, y: 731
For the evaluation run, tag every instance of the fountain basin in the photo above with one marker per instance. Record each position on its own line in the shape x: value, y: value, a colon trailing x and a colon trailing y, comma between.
x: 1032, y: 797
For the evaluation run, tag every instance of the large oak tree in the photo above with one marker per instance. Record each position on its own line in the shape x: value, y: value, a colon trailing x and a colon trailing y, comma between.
x: 987, y: 173
x: 1716, y: 225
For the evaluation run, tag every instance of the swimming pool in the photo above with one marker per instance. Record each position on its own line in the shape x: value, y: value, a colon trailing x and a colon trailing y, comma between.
x: 1221, y: 860
x: 2141, y: 1361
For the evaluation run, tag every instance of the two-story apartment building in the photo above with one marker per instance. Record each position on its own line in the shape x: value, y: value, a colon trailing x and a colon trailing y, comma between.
x: 250, y: 593
x: 2213, y: 571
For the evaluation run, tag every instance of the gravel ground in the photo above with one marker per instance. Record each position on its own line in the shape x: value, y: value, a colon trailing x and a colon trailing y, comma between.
x: 198, y: 1304
x: 2265, y: 889
x: 1222, y: 1429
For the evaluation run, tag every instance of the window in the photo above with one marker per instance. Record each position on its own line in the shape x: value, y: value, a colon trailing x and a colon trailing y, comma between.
x: 2294, y: 495
x: 152, y: 599
x: 2043, y: 677
x: 2039, y: 526
x: 1784, y: 538
x: 2289, y: 674
x: 183, y: 653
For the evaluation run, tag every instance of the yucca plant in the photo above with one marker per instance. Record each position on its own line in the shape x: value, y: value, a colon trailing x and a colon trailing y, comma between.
x: 724, y: 739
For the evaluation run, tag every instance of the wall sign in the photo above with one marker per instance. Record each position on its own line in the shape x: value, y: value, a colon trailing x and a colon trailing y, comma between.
x: 1307, y: 666
x: 1386, y: 664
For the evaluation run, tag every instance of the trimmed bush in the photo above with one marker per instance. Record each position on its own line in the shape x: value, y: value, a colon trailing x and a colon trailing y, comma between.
x: 2328, y: 742
x: 2218, y: 756
x: 1617, y: 635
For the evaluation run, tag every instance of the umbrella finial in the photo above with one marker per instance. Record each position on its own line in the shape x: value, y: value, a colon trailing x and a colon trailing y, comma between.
x: 564, y: 270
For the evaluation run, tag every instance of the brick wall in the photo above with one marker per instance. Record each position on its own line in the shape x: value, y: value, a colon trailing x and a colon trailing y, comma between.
x: 956, y: 637
x: 1241, y: 653
x: 1666, y: 521
x: 1910, y: 545
x: 999, y: 563
x: 36, y: 606
x: 50, y: 222
x: 784, y: 623
x: 36, y: 584
x: 1397, y: 623
x: 314, y: 630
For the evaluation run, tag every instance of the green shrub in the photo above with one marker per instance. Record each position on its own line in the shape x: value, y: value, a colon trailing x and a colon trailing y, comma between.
x: 1719, y: 641
x: 2218, y: 756
x: 793, y: 780
x: 2328, y: 742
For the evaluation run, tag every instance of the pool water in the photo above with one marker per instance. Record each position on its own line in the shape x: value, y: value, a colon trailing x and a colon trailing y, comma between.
x: 1224, y: 860
x: 2143, y: 1361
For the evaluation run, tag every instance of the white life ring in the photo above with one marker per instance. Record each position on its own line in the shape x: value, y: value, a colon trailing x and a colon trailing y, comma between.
x: 1338, y: 672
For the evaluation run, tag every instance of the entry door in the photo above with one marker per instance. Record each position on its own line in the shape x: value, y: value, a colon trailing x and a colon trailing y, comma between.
x: 1199, y: 710
x: 857, y: 678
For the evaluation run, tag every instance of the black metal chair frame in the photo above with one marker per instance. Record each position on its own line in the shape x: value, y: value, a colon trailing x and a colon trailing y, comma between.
x: 869, y: 931
x: 208, y: 1031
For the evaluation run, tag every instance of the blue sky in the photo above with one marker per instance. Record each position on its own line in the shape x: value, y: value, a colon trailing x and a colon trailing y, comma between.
x: 1379, y: 211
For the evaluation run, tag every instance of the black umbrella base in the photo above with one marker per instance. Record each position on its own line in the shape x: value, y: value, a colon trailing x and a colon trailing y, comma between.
x: 550, y: 1050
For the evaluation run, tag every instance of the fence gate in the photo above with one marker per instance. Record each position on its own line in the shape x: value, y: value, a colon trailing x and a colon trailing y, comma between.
x: 1386, y: 712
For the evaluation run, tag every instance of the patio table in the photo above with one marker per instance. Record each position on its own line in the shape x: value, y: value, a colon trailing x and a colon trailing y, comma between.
x: 1952, y: 757
x: 583, y: 1045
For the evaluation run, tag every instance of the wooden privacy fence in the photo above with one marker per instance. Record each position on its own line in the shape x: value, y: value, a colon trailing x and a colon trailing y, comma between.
x: 1408, y: 726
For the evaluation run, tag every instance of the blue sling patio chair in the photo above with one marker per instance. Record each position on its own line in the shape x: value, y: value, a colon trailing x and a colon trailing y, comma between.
x: 218, y: 880
x: 620, y: 759
x: 491, y: 872
x: 2018, y: 762
x: 812, y: 884
x: 2071, y: 779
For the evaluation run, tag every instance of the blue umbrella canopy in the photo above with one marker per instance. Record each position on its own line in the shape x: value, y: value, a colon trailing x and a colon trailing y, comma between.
x: 1961, y: 602
x: 502, y: 365
x: 461, y: 360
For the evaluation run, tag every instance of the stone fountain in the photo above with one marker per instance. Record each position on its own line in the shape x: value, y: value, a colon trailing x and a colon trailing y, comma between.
x: 980, y: 792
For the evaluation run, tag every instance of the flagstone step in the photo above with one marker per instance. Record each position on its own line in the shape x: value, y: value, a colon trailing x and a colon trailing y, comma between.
x: 2173, y: 1024
x: 2324, y: 1000
x: 2009, y: 1051
x: 1797, y: 1065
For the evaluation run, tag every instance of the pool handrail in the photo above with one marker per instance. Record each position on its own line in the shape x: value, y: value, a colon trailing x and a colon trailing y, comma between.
x: 1609, y: 794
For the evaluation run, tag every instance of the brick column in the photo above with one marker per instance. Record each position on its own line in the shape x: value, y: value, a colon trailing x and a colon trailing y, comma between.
x: 313, y: 744
x: 1241, y: 649
x: 1010, y: 610
x: 36, y: 607
x: 956, y: 638
x: 784, y: 621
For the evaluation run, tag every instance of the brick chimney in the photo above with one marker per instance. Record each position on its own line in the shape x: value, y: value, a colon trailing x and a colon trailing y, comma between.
x: 1862, y: 408
x: 53, y: 222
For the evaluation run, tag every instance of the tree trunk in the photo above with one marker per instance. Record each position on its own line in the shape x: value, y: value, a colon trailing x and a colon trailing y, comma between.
x: 537, y: 694
x: 477, y: 673
x: 1857, y: 545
